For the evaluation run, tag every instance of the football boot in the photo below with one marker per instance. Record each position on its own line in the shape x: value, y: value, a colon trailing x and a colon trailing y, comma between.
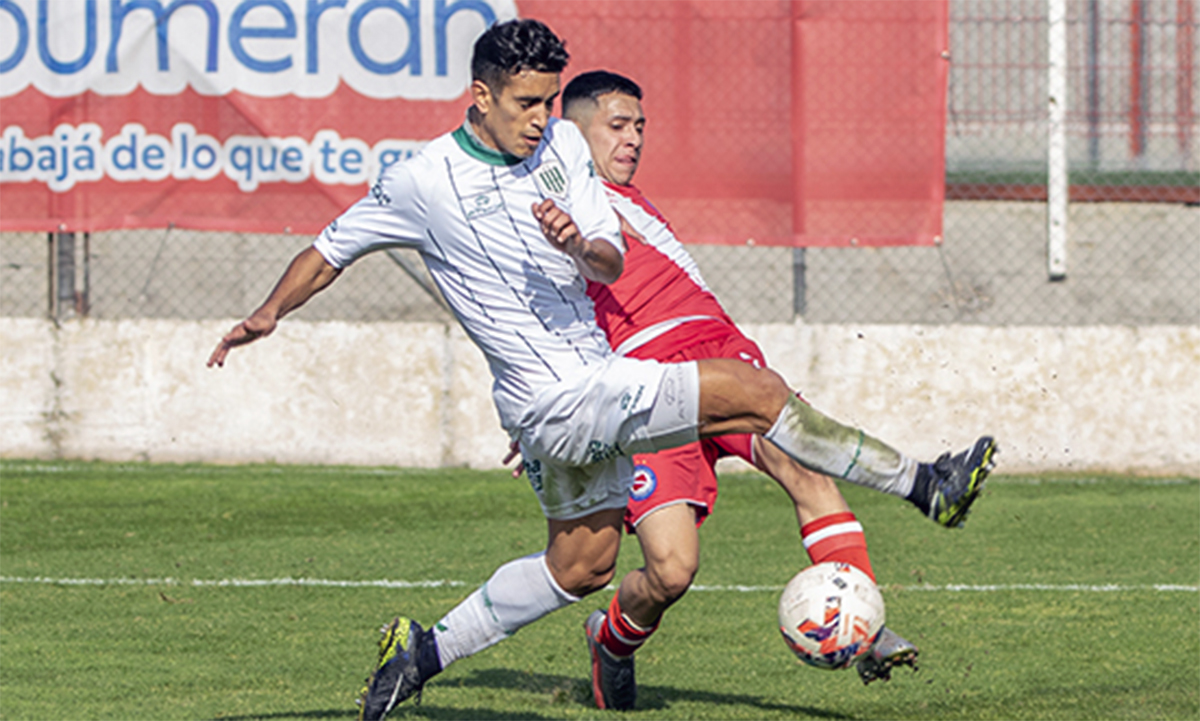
x: 888, y: 651
x: 407, y: 659
x: 945, y: 489
x: 613, y: 682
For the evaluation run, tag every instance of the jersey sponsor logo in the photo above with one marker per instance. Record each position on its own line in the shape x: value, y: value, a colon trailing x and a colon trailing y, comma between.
x: 673, y: 390
x: 629, y: 401
x: 533, y: 470
x: 599, y: 452
x: 644, y: 483
x: 551, y: 178
x: 485, y: 203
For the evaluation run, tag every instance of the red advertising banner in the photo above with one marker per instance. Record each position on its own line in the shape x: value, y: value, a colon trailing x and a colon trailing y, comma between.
x: 776, y: 122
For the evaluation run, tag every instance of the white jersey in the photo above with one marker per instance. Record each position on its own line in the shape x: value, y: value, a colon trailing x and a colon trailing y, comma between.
x: 468, y: 210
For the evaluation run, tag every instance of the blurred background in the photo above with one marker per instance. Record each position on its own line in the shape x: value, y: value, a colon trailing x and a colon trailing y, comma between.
x: 1133, y: 243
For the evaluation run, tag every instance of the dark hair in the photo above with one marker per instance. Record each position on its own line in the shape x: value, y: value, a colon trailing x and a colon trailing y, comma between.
x: 507, y: 48
x: 591, y: 85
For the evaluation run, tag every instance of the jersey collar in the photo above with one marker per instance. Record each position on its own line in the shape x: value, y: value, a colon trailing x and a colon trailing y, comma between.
x: 471, y: 145
x: 629, y: 191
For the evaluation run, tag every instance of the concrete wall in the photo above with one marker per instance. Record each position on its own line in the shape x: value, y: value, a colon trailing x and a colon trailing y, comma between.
x: 418, y: 394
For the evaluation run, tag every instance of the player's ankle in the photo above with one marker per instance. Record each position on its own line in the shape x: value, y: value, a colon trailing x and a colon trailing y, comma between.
x: 921, y: 493
x: 621, y: 636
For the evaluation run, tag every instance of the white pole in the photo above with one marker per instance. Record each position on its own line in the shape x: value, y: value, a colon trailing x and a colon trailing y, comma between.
x: 1057, y: 182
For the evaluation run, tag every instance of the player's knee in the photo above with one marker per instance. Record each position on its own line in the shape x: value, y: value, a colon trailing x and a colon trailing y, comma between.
x: 590, y: 583
x: 767, y: 393
x: 582, y: 579
x: 670, y: 580
x: 774, y: 388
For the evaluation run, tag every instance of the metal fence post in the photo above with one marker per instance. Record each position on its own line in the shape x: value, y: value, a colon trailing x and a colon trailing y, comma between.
x: 1057, y: 182
x: 66, y: 300
x: 799, y: 282
x: 1093, y: 82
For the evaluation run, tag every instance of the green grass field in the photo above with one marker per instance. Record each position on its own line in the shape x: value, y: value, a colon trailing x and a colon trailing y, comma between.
x: 125, y: 595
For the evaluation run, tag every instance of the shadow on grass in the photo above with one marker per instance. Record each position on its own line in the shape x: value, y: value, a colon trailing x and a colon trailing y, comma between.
x: 562, y: 691
x: 572, y: 691
x: 458, y: 713
x: 327, y: 713
x: 408, y: 710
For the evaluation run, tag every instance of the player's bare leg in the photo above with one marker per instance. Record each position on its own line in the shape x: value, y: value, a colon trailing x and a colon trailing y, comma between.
x: 671, y: 549
x: 813, y: 494
x: 670, y: 546
x: 582, y: 553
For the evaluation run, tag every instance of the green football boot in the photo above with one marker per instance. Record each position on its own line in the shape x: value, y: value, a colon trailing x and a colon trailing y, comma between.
x: 945, y: 489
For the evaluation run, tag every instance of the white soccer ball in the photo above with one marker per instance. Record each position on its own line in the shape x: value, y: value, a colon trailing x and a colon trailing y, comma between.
x: 830, y: 614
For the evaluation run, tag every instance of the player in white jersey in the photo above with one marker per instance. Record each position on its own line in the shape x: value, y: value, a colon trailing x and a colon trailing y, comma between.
x: 512, y: 223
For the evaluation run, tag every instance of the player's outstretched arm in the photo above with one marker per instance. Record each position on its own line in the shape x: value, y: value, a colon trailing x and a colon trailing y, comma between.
x: 308, y: 274
x: 597, y: 260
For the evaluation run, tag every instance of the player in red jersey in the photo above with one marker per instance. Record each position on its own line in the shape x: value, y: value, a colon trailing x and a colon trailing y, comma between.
x: 662, y: 309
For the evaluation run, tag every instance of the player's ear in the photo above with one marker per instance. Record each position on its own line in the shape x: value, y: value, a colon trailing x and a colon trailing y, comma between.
x: 481, y: 96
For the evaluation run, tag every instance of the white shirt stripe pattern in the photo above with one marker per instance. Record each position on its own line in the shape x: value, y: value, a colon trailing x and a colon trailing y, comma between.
x: 467, y: 209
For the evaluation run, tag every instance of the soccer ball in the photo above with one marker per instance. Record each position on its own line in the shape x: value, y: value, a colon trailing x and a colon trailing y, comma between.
x: 830, y: 614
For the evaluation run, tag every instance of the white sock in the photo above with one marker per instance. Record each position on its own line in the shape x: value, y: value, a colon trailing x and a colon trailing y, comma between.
x: 518, y: 593
x: 822, y: 444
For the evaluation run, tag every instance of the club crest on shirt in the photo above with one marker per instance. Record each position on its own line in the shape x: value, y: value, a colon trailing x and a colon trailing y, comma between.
x: 551, y: 178
x: 482, y: 204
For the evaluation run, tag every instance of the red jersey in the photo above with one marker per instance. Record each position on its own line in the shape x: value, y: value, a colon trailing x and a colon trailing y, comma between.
x: 661, y: 287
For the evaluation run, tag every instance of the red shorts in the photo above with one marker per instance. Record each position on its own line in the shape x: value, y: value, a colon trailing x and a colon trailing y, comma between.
x: 686, y: 474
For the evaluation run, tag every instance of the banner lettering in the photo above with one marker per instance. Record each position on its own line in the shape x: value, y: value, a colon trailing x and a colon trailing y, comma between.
x: 770, y: 123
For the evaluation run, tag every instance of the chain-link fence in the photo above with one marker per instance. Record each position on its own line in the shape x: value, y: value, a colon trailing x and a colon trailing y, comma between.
x: 1133, y: 240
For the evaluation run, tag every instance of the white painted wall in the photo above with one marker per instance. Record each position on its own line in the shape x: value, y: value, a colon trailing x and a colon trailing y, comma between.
x: 418, y: 394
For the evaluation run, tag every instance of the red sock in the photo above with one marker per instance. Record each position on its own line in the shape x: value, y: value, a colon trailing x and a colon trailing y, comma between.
x: 618, y: 635
x: 837, y: 537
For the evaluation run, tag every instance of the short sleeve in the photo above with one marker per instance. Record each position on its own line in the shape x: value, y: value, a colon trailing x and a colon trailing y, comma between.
x: 392, y: 215
x: 590, y: 209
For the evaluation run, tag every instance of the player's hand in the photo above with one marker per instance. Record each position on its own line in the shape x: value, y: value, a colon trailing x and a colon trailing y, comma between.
x: 514, y: 450
x: 559, y: 228
x: 256, y: 326
x: 598, y: 260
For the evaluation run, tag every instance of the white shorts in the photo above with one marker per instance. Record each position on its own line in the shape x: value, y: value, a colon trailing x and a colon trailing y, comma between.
x: 578, y: 436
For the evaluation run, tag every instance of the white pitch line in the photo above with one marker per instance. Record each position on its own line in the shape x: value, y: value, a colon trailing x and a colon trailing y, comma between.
x: 1085, y: 481
x: 959, y: 588
x: 230, y: 582
x: 215, y: 470
x: 1104, y: 588
x: 445, y: 583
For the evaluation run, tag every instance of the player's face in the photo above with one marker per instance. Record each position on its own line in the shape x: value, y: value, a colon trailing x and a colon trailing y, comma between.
x: 514, y: 119
x: 614, y: 133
